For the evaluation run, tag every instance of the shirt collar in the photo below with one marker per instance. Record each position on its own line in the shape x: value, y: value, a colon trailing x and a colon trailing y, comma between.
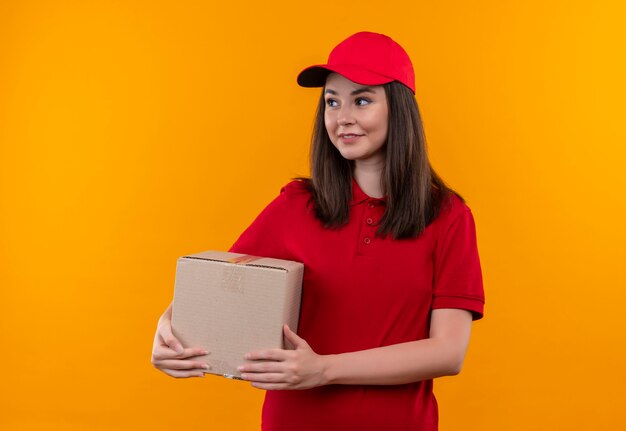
x: 359, y: 195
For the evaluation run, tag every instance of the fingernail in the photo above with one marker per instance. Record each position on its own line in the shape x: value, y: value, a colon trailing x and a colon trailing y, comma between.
x: 179, y: 348
x: 206, y: 366
x: 240, y: 368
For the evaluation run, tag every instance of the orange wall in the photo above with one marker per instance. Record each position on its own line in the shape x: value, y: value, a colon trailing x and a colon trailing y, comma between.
x: 133, y: 132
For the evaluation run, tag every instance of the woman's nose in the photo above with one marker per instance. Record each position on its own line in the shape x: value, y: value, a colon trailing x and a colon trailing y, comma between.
x: 345, y: 116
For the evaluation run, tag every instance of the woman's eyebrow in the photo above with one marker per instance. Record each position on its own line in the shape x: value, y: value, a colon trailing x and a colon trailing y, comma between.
x: 355, y: 92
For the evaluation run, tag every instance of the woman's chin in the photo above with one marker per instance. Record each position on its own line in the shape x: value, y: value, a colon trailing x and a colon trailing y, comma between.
x: 363, y: 158
x: 350, y: 155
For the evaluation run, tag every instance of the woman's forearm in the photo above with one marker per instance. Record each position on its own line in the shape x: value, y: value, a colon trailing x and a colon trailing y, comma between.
x: 440, y: 355
x: 397, y: 364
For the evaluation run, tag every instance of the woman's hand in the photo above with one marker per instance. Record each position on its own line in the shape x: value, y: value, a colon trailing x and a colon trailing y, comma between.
x: 168, y: 354
x: 301, y: 368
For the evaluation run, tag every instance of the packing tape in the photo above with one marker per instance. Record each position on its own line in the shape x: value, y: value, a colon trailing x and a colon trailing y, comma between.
x: 233, y: 274
x: 232, y: 278
x: 243, y: 259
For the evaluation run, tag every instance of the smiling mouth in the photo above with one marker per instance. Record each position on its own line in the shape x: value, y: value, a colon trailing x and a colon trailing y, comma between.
x: 349, y: 135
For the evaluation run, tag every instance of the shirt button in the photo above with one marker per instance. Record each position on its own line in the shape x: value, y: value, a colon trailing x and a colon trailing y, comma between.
x: 370, y: 205
x: 369, y: 221
x: 366, y: 240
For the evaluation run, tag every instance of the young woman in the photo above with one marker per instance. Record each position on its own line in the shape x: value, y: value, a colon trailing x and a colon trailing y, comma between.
x: 392, y: 276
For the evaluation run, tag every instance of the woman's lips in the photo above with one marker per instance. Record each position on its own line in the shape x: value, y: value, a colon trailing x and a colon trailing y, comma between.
x: 348, y: 137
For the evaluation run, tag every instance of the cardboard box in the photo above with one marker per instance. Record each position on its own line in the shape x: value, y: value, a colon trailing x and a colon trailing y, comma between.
x: 230, y: 304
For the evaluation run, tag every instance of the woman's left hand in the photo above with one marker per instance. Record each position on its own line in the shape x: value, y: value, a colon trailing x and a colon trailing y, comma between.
x: 274, y: 369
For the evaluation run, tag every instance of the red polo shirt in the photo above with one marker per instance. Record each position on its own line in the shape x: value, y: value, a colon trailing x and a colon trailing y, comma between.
x: 361, y: 291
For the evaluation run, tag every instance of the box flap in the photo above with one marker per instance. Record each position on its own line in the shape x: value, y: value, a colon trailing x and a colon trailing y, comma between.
x: 245, y: 259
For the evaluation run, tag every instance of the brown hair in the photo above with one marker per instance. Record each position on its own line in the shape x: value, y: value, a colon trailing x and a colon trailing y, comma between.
x: 415, y: 193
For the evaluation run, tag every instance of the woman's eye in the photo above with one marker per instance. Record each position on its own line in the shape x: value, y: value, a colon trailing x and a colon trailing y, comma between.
x: 362, y: 99
x: 331, y: 102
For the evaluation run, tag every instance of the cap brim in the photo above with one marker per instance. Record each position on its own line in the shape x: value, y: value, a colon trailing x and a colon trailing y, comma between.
x: 315, y: 76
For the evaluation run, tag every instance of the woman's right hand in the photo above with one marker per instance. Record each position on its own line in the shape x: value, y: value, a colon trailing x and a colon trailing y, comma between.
x: 168, y: 354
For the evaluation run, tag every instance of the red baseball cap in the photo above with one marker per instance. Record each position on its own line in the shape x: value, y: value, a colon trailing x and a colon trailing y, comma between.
x: 365, y: 58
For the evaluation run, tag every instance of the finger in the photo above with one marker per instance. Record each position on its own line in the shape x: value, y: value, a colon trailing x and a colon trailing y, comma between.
x: 168, y: 338
x: 183, y: 374
x: 271, y: 355
x: 293, y: 338
x: 164, y: 352
x: 192, y: 351
x: 173, y: 343
x: 262, y: 367
x: 264, y: 377
x: 173, y: 364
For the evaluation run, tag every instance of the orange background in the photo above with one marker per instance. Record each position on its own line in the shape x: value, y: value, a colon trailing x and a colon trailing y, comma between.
x: 133, y: 132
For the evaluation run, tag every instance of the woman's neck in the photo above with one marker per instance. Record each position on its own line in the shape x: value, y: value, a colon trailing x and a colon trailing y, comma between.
x: 368, y: 177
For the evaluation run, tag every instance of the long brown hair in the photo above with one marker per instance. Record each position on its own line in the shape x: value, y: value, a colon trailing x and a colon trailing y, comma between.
x: 415, y: 193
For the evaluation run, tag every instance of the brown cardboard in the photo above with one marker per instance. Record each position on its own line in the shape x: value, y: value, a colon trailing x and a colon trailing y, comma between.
x: 230, y: 304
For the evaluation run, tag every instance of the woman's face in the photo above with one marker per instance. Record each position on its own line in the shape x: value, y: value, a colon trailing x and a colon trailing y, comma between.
x: 356, y: 119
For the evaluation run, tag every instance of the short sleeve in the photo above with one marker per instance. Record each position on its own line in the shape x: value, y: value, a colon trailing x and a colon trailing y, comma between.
x: 266, y: 235
x: 458, y: 279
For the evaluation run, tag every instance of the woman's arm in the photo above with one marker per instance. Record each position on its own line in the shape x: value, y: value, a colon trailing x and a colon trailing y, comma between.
x: 439, y: 355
